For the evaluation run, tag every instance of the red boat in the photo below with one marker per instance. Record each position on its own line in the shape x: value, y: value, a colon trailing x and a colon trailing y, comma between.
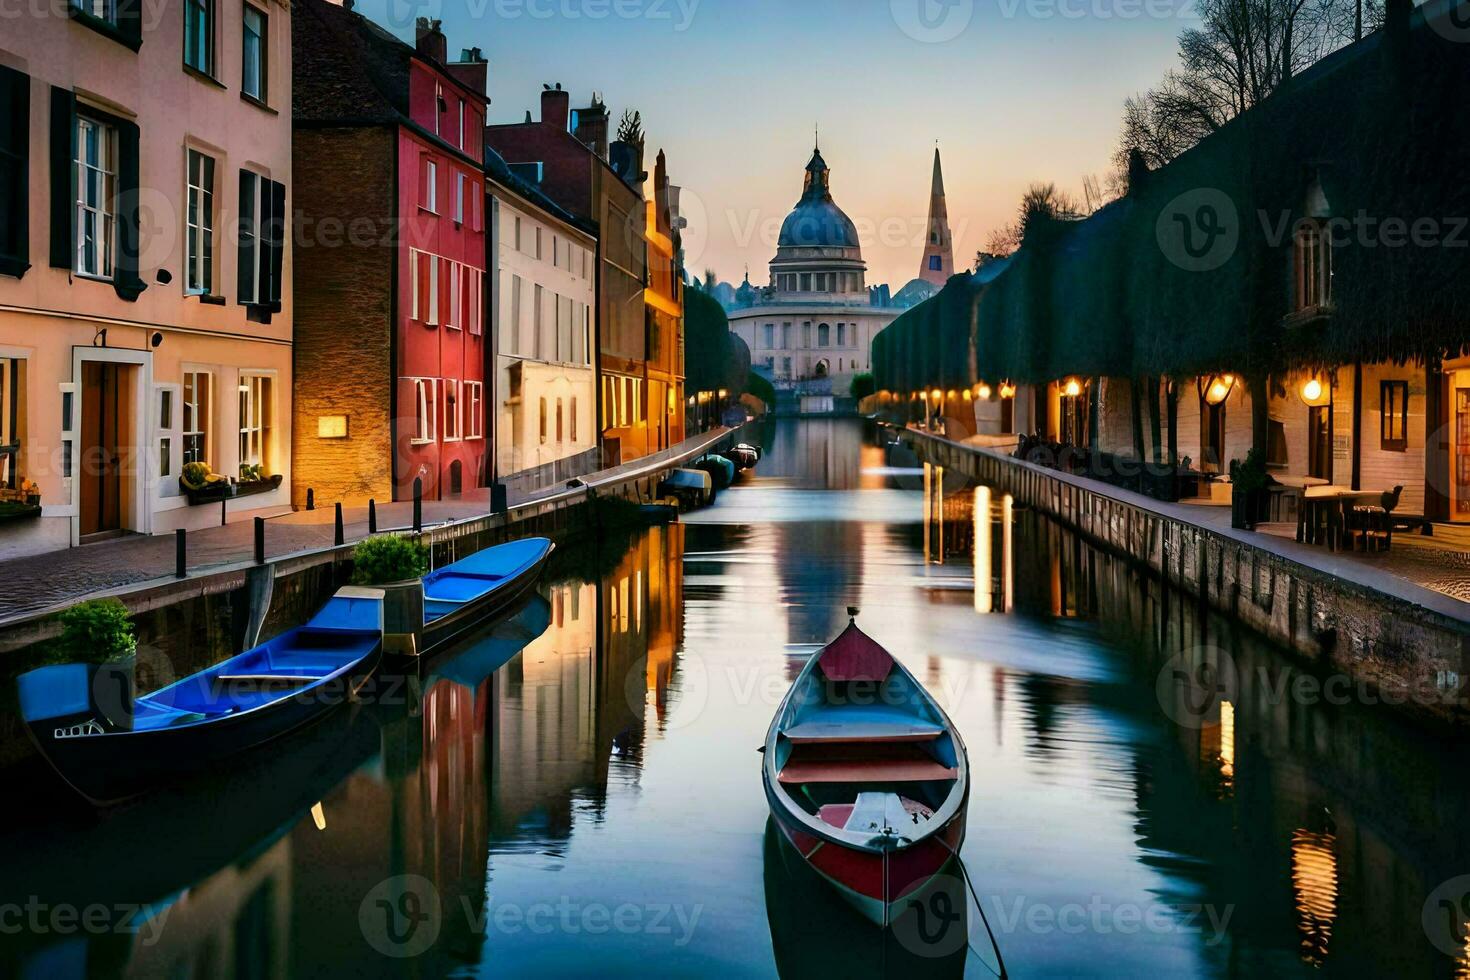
x: 867, y: 777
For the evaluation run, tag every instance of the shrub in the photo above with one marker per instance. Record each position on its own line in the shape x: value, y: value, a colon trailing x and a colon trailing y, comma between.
x: 863, y: 385
x: 1250, y: 476
x: 98, y: 631
x: 387, y: 559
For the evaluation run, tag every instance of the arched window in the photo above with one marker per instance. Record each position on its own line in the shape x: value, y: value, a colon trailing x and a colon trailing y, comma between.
x: 543, y: 421
x: 824, y: 335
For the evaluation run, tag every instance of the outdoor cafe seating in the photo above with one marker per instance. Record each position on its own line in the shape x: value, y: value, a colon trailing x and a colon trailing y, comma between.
x: 1344, y: 519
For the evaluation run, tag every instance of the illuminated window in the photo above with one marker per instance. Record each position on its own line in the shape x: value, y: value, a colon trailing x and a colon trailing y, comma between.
x: 196, y: 416
x: 1394, y: 416
x: 1313, y: 258
x: 255, y: 419
x: 543, y: 421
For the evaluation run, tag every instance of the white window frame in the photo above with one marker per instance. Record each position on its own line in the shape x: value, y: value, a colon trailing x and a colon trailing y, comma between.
x: 166, y: 430
x: 453, y: 416
x: 96, y: 191
x: 516, y: 284
x: 454, y: 319
x: 426, y: 409
x: 263, y: 57
x: 431, y: 186
x: 459, y: 182
x: 474, y: 410
x: 461, y: 124
x: 199, y: 219
x: 258, y: 390
x: 475, y: 296
x: 432, y: 315
x: 191, y: 410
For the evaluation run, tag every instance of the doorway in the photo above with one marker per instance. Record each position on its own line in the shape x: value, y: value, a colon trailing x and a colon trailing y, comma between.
x: 1462, y: 453
x: 106, y: 450
x: 1319, y: 442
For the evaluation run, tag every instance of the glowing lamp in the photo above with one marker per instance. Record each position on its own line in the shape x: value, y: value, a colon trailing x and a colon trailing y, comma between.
x: 923, y: 396
x: 1219, y: 389
x: 1007, y: 390
x: 1313, y: 392
x: 936, y: 394
x: 1072, y: 388
x: 967, y: 394
x: 985, y: 393
x: 723, y: 393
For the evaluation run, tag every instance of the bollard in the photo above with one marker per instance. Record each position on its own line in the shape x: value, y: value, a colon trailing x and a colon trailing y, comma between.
x: 372, y: 517
x: 310, y: 499
x: 418, y: 504
x: 224, y: 517
x: 180, y: 555
x: 260, y: 541
x: 339, y: 537
x: 499, y: 498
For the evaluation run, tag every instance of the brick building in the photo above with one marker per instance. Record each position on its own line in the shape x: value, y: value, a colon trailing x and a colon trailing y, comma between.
x: 393, y: 354
x: 664, y: 299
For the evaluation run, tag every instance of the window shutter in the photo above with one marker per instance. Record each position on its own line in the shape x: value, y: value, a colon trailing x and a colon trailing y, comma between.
x: 15, y: 141
x: 245, y: 257
x: 275, y: 246
x: 130, y: 22
x: 63, y: 177
x: 126, y: 281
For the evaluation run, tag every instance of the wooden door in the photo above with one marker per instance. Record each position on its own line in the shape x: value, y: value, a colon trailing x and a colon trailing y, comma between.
x: 101, y: 464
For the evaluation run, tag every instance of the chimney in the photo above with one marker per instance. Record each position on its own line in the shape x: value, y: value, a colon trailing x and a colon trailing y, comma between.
x: 626, y: 160
x: 592, y: 126
x: 471, y: 70
x: 429, y: 40
x: 1137, y: 170
x: 556, y: 105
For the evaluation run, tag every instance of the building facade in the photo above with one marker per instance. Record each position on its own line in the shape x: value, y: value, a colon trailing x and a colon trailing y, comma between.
x: 664, y: 299
x: 938, y: 262
x: 392, y: 356
x: 812, y: 330
x: 545, y: 393
x: 145, y: 268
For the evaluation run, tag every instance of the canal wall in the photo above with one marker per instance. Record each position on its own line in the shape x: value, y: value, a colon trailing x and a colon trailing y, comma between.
x: 1403, y: 644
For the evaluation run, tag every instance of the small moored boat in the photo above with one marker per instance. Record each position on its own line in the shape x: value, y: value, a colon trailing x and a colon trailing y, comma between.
x: 461, y: 596
x: 110, y: 745
x: 866, y: 776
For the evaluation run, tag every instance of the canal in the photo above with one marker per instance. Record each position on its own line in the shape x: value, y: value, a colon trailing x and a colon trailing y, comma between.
x: 578, y: 790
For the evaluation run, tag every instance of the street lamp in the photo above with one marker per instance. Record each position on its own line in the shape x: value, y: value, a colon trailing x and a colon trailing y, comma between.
x: 1072, y: 387
x: 985, y: 392
x: 1315, y: 393
x: 1216, y: 389
x: 1007, y: 390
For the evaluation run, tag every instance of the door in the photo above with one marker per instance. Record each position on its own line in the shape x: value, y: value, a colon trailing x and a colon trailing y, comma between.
x: 1462, y: 453
x: 1319, y: 442
x: 101, y: 449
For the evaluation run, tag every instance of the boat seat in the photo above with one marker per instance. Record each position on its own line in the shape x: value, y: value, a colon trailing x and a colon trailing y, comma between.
x: 864, y: 771
x: 863, y: 724
x: 151, y: 716
x: 457, y: 587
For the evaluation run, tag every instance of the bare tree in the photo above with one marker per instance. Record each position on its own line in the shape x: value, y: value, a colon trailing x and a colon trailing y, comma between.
x: 630, y: 127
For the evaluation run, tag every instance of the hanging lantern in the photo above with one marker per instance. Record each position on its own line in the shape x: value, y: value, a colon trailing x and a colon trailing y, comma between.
x: 936, y: 394
x: 1007, y: 390
x: 1216, y: 389
x: 1315, y: 393
x: 967, y: 394
x: 985, y: 393
x: 1072, y: 387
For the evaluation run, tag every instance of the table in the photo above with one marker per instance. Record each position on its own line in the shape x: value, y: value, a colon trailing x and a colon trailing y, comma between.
x: 1322, y: 518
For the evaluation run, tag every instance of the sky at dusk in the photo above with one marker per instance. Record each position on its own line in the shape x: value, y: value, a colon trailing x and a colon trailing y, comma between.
x: 1015, y: 91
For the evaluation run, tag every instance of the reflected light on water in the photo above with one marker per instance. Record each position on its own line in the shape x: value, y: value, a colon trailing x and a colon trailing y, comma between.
x: 1314, y: 884
x: 984, y: 589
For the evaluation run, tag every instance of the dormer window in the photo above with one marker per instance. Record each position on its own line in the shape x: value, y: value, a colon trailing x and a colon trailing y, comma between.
x: 1313, y: 265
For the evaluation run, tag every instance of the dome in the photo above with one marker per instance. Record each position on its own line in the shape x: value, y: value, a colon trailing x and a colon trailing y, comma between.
x: 817, y: 221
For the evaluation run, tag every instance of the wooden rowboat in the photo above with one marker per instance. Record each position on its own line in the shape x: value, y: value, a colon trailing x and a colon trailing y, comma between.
x: 866, y: 776
x: 110, y: 745
x: 460, y: 597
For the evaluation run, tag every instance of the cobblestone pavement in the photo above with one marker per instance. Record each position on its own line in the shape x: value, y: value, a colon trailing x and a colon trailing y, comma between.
x: 43, y: 581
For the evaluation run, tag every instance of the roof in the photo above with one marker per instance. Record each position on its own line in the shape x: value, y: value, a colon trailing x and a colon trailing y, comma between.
x: 499, y: 171
x: 817, y: 221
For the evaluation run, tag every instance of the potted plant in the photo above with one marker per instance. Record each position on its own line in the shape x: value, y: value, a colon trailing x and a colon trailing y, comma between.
x: 395, y: 564
x: 32, y: 492
x: 202, y: 485
x: 253, y: 479
x: 1249, y: 497
x: 100, y: 633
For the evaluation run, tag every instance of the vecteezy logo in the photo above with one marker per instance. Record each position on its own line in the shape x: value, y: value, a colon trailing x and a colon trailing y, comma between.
x: 932, y: 21
x: 401, y: 916
x: 1199, y: 230
x: 933, y: 921
x: 1193, y: 684
x: 1445, y: 916
x: 1453, y: 23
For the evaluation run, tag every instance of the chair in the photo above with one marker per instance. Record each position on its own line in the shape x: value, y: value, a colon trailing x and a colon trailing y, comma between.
x: 1373, y: 523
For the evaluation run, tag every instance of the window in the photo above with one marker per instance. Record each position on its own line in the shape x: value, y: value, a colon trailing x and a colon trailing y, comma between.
x: 199, y: 35
x: 431, y: 292
x: 455, y: 319
x: 538, y: 243
x: 165, y: 431
x: 451, y: 410
x: 253, y: 76
x: 769, y: 336
x: 841, y: 335
x: 439, y: 106
x: 460, y: 144
x: 101, y: 9
x: 474, y: 410
x: 196, y: 416
x: 430, y: 196
x: 199, y: 235
x: 572, y: 420
x: 514, y: 326
x: 474, y: 300
x: 261, y: 237
x: 560, y: 432
x: 1393, y: 406
x: 806, y: 335
x: 459, y: 197
x: 936, y: 263
x: 255, y: 419
x: 15, y: 105
x: 824, y: 335
x: 785, y: 336
x: 539, y: 351
x: 1313, y: 258
x: 786, y: 367
x: 1319, y: 442
x: 96, y: 179
x: 519, y: 246
x: 475, y: 203
x: 543, y: 421
x: 1212, y: 448
x: 806, y: 282
x: 12, y: 421
x: 424, y: 410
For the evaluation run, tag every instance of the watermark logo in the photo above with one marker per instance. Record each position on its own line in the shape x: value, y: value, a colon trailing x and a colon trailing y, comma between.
x: 1199, y: 230
x: 932, y: 21
x: 932, y: 922
x: 689, y: 690
x: 1453, y: 23
x: 1445, y: 916
x: 1194, y: 682
x: 401, y: 916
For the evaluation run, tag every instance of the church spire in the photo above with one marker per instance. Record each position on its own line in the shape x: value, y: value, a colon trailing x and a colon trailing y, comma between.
x: 938, y: 263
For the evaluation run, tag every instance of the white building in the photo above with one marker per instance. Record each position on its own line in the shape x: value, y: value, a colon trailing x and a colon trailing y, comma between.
x: 545, y: 379
x: 813, y: 329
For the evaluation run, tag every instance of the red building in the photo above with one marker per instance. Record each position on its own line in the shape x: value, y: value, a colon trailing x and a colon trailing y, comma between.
x: 392, y: 356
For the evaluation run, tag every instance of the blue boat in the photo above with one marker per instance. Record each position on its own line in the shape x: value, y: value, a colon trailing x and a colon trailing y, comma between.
x: 477, y: 659
x: 110, y: 745
x: 460, y: 597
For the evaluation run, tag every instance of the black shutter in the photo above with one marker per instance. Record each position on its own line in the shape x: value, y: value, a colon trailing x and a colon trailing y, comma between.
x: 15, y: 156
x: 130, y: 22
x: 125, y: 279
x: 63, y: 177
x: 276, y: 247
x: 245, y: 255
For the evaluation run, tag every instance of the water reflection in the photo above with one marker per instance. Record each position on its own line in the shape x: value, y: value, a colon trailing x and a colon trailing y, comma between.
x: 591, y: 762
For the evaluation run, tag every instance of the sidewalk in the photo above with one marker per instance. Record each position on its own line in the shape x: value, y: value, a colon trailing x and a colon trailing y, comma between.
x: 40, y: 582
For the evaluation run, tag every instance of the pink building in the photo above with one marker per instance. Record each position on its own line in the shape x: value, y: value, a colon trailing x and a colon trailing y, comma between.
x: 145, y: 274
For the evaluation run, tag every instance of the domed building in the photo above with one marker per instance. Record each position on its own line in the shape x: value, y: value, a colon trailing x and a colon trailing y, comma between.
x: 811, y: 330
